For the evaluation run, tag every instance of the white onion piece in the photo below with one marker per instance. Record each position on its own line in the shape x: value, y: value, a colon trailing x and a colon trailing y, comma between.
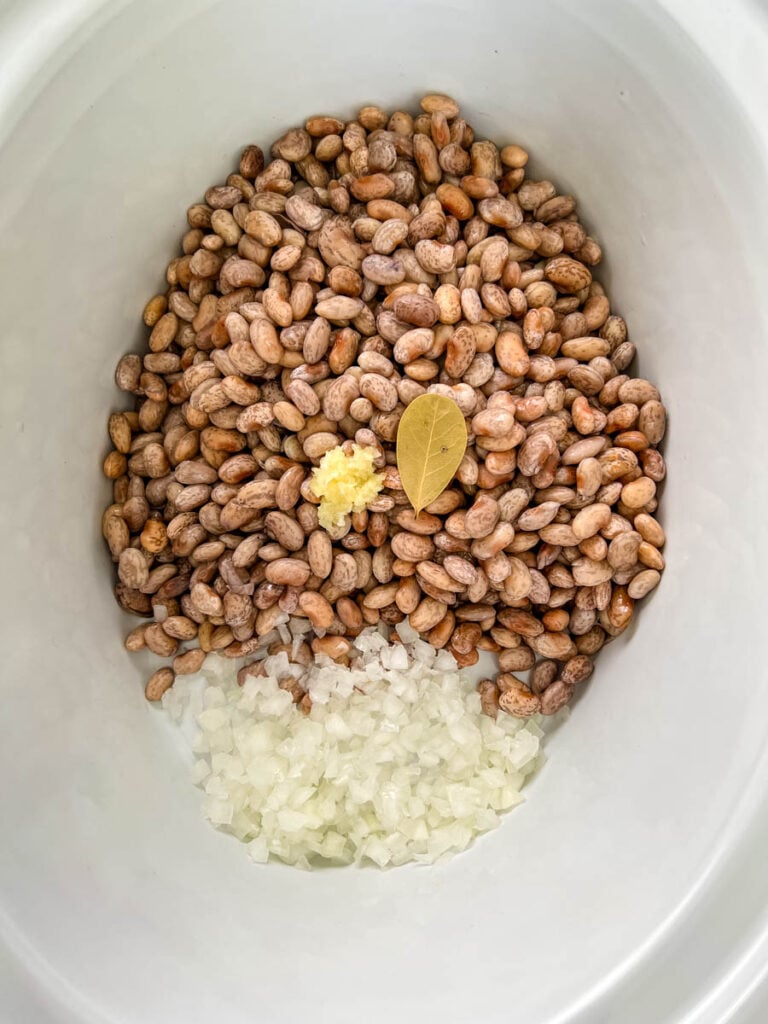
x: 285, y: 633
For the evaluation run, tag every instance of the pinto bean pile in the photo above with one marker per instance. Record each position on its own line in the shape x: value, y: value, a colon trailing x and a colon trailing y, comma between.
x: 317, y: 294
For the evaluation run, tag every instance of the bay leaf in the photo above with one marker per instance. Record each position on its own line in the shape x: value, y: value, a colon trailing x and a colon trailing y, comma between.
x: 431, y: 441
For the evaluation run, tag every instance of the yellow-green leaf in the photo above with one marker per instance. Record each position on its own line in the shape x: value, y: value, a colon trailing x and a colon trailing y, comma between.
x: 431, y: 441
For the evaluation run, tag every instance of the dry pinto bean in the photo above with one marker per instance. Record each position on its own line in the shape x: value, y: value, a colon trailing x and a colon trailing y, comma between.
x: 334, y: 647
x: 317, y: 608
x: 419, y: 310
x: 590, y: 520
x: 515, y: 697
x: 654, y: 466
x: 435, y: 257
x: 643, y: 583
x: 412, y: 547
x: 160, y: 681
x: 623, y: 550
x: 285, y: 530
x: 558, y: 646
x: 427, y: 615
x: 481, y: 519
x: 511, y: 354
x: 649, y: 529
x: 555, y: 696
x: 412, y: 344
x: 638, y: 493
x: 379, y: 391
x: 492, y: 544
x: 189, y: 662
x: 292, y: 572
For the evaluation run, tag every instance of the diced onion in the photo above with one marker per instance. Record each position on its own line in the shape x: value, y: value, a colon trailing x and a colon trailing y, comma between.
x: 394, y: 763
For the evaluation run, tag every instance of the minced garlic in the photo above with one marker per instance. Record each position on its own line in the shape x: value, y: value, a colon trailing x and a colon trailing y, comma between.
x: 345, y: 483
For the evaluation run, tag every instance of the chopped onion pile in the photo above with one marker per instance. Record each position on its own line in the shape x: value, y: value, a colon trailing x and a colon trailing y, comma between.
x: 394, y: 763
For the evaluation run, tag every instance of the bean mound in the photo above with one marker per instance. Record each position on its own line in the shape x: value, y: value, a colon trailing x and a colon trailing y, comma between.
x: 317, y: 294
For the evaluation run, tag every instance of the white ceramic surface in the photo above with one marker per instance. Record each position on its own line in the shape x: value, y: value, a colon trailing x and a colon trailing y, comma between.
x: 631, y: 888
